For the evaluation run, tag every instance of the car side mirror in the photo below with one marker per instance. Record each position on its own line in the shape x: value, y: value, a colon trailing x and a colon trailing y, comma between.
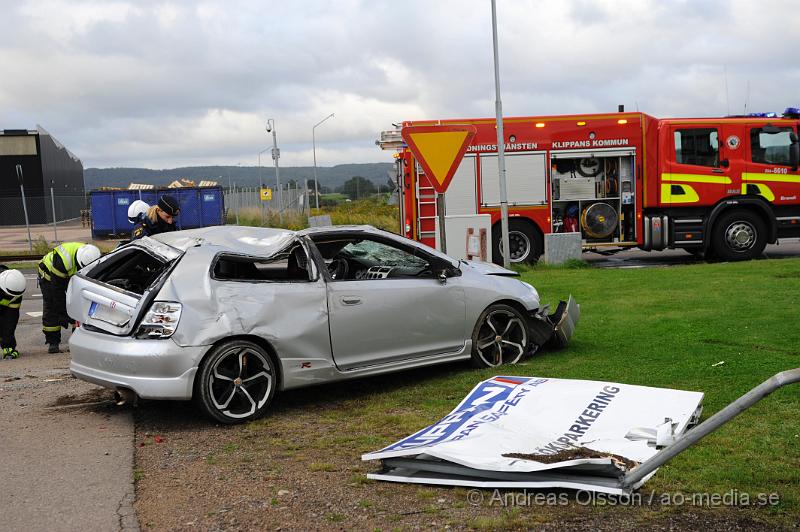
x: 794, y: 152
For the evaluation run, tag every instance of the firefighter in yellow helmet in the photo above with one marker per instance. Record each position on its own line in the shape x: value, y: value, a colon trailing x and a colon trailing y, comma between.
x: 55, y: 271
x: 12, y: 286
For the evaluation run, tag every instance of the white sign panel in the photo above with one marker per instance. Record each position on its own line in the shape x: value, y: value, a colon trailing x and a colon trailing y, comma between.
x: 520, y: 431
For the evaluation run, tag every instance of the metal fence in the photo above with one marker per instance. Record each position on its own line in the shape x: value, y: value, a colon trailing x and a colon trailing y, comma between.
x: 242, y: 201
x: 39, y: 212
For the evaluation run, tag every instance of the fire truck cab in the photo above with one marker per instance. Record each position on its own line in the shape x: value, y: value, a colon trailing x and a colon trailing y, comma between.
x: 723, y: 187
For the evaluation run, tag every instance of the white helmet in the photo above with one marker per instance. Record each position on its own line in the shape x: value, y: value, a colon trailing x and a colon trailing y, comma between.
x: 137, y: 208
x: 12, y: 282
x: 86, y: 255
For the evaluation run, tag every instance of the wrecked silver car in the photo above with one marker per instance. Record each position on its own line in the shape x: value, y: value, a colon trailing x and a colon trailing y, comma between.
x: 227, y: 315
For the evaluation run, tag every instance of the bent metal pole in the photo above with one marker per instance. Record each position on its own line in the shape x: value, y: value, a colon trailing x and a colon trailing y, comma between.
x: 501, y: 161
x: 710, y: 425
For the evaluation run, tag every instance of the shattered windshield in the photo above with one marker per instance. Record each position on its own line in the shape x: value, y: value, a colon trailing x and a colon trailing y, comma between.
x: 377, y: 253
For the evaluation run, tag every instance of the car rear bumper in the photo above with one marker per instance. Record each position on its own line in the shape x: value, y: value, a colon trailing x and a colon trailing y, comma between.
x: 153, y: 369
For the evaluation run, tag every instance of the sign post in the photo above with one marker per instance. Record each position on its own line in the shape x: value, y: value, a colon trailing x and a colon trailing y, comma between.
x: 439, y: 150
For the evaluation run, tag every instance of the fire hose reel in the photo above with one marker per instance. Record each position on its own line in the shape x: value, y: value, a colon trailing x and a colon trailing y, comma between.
x: 599, y: 220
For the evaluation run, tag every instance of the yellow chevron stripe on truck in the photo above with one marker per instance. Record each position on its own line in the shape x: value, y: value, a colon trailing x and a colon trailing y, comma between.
x: 763, y: 190
x: 697, y: 178
x: 683, y: 194
x: 771, y: 178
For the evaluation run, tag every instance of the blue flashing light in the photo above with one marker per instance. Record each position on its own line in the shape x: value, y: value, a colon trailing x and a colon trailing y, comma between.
x: 763, y: 115
x: 793, y: 112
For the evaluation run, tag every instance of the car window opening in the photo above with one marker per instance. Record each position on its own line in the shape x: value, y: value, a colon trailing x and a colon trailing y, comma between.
x: 289, y: 265
x: 366, y: 259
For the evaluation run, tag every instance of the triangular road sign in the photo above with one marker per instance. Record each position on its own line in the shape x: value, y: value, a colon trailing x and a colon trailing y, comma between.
x: 439, y: 150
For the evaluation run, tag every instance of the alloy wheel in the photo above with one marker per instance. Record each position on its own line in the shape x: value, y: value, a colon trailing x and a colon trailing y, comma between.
x: 502, y: 338
x: 240, y: 382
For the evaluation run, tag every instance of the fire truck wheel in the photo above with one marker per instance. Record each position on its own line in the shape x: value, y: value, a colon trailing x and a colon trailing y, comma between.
x: 524, y: 239
x: 738, y: 235
x: 500, y: 337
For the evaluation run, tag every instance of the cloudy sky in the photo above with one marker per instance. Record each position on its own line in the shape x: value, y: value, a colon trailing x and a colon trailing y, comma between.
x: 171, y: 83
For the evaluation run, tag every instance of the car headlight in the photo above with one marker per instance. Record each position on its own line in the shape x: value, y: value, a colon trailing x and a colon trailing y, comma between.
x: 160, y: 321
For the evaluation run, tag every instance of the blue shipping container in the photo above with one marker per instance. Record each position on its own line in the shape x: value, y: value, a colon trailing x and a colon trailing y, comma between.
x: 200, y: 207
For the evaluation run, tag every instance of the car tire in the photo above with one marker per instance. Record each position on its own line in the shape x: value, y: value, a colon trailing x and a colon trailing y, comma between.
x: 738, y: 235
x: 500, y: 337
x: 236, y: 382
x: 525, y: 241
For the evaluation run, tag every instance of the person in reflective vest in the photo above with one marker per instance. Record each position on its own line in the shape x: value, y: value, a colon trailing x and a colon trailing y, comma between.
x: 160, y: 218
x: 55, y: 271
x: 12, y: 286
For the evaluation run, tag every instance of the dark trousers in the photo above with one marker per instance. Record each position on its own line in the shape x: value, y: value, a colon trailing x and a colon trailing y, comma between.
x: 9, y: 317
x: 54, y: 311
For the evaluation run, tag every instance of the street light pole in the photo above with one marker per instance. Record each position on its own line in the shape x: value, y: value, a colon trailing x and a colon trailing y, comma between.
x: 501, y: 161
x: 276, y: 154
x: 314, y: 149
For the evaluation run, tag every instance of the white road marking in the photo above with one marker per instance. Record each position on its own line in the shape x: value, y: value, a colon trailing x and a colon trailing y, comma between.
x: 35, y: 314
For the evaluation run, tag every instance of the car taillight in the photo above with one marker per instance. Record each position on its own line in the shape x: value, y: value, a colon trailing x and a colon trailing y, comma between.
x: 408, y: 226
x: 160, y: 321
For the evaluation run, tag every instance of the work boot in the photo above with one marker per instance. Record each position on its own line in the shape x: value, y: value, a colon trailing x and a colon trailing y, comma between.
x: 53, y: 348
x: 10, y: 352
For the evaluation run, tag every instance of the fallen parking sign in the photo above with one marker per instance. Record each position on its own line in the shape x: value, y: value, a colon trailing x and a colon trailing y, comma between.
x: 542, y: 432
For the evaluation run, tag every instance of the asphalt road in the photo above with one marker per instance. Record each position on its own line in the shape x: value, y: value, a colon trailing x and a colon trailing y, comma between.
x: 635, y: 258
x: 67, y: 450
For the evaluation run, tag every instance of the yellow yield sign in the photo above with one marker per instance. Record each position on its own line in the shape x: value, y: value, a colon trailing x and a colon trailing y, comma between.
x: 439, y: 150
x: 266, y: 194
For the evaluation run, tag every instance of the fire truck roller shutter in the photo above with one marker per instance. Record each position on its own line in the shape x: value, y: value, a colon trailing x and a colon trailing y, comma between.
x: 524, y: 239
x: 526, y: 179
x: 460, y: 197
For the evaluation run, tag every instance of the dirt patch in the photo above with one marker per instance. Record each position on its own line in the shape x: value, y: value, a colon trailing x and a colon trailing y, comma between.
x: 577, y: 453
x: 92, y: 397
x: 300, y: 468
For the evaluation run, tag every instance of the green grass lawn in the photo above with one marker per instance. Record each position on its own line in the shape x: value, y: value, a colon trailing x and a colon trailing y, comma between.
x: 667, y: 327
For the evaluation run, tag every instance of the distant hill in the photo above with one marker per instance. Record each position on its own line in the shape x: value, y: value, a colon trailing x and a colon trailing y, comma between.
x: 242, y: 176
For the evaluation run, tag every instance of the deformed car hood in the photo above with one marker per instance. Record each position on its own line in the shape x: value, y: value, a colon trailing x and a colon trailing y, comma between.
x: 488, y: 268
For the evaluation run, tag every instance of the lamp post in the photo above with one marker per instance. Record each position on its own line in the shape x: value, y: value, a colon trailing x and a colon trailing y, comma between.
x: 314, y: 149
x: 276, y: 154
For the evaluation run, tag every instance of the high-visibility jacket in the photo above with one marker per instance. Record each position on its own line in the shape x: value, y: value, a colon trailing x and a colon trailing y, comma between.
x: 69, y: 263
x: 9, y: 301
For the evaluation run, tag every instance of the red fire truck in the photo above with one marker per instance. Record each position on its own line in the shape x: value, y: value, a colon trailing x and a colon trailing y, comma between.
x: 723, y: 187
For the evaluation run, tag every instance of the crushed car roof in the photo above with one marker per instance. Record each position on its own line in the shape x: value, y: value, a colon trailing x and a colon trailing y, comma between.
x: 248, y: 240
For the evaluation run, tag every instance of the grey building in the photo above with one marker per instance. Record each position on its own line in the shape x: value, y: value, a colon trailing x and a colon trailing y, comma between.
x: 37, y: 161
